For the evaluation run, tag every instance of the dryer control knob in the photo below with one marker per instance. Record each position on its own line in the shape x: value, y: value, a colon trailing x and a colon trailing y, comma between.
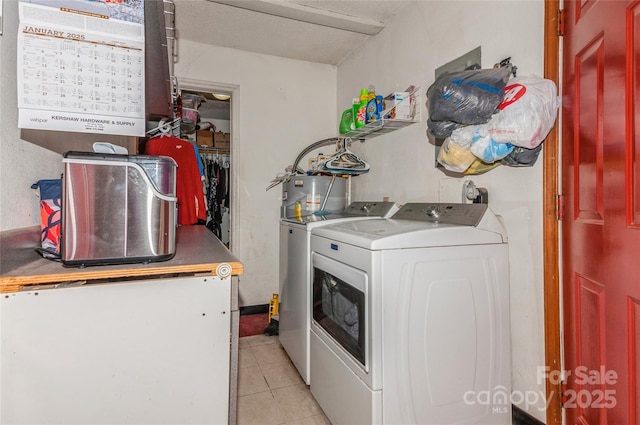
x: 432, y: 211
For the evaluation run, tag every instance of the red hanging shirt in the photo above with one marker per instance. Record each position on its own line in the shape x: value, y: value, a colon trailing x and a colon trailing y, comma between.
x: 191, y: 206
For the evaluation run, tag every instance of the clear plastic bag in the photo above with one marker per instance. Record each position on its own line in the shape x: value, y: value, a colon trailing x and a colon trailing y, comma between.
x: 467, y: 97
x: 490, y: 151
x: 527, y: 113
x: 455, y: 157
x: 481, y: 145
x: 479, y: 167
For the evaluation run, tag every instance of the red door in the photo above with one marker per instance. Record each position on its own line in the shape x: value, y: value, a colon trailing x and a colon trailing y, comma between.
x: 601, y: 226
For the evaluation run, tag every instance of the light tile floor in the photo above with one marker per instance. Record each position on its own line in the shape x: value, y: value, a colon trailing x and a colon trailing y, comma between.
x: 270, y: 390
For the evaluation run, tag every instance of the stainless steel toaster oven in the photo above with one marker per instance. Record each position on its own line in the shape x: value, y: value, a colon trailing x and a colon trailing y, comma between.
x: 117, y: 208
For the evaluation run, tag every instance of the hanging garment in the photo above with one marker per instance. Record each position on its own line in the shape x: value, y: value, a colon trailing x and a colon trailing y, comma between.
x: 214, y: 207
x: 216, y: 170
x: 191, y: 203
x: 211, y: 187
x: 227, y: 181
x: 222, y: 191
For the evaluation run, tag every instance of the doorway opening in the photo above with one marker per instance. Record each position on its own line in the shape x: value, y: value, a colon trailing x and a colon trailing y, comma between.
x: 213, y: 107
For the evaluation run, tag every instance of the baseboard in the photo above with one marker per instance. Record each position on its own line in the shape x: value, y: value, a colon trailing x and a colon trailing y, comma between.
x: 520, y: 417
x: 254, y: 309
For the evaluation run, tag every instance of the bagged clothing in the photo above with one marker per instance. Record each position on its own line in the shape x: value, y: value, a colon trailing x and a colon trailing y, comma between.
x: 522, y: 157
x: 467, y: 97
x: 479, y: 167
x: 455, y: 157
x: 50, y: 192
x: 442, y: 129
x: 527, y: 113
x: 490, y: 151
x: 481, y: 144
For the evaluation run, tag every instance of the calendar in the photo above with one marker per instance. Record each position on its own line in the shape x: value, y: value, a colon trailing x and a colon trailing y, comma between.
x: 81, y: 66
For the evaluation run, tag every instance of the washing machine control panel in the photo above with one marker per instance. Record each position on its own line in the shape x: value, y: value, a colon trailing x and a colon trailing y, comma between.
x: 459, y: 214
x: 370, y: 209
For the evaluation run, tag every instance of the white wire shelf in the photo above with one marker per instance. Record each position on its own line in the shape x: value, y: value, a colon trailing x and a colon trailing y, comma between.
x: 378, y: 128
x: 385, y: 126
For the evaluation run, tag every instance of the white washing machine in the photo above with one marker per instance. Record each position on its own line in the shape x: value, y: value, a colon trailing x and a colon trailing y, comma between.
x: 410, y: 318
x: 295, y: 298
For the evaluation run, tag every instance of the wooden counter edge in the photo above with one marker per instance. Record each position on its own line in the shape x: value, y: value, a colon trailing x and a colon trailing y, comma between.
x: 195, y: 243
x: 18, y: 283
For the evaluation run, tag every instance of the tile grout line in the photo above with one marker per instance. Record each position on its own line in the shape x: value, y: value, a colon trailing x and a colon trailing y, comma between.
x: 303, y: 388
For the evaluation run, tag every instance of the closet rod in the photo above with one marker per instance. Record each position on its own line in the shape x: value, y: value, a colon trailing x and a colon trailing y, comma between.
x: 212, y: 149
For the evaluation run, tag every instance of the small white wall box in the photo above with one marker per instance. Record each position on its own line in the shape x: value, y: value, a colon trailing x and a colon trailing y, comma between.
x: 402, y: 103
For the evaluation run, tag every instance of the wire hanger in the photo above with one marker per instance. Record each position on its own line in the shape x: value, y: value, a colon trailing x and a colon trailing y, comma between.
x: 345, y: 161
x: 164, y: 127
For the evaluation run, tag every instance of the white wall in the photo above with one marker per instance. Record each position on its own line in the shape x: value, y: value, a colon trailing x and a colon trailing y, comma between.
x: 21, y: 163
x: 422, y: 37
x: 283, y: 105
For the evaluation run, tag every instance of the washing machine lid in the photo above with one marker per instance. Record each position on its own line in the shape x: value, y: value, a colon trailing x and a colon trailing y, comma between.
x: 419, y: 232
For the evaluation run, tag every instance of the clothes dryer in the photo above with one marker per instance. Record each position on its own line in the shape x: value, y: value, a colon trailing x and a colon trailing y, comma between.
x: 295, y: 299
x: 410, y: 318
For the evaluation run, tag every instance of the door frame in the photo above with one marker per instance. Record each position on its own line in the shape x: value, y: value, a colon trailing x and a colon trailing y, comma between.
x: 550, y: 220
x: 235, y: 148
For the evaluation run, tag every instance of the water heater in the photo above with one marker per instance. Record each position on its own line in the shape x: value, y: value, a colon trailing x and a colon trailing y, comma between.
x: 311, y: 192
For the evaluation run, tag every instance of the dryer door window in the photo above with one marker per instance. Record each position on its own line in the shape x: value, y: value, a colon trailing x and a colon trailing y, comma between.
x: 339, y: 305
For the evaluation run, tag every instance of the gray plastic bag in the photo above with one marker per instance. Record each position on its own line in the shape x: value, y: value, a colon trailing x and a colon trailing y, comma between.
x: 467, y: 97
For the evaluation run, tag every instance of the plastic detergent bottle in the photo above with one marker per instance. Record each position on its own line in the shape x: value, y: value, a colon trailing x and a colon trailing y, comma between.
x: 372, y: 114
x: 355, y: 104
x: 372, y: 111
x: 297, y: 210
x: 379, y: 104
x: 346, y: 123
x: 372, y: 91
x: 361, y: 117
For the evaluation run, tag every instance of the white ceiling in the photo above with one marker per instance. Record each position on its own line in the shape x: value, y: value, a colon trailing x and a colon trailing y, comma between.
x: 224, y: 25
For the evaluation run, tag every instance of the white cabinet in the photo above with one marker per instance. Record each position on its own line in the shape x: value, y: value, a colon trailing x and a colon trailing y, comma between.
x: 136, y: 352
